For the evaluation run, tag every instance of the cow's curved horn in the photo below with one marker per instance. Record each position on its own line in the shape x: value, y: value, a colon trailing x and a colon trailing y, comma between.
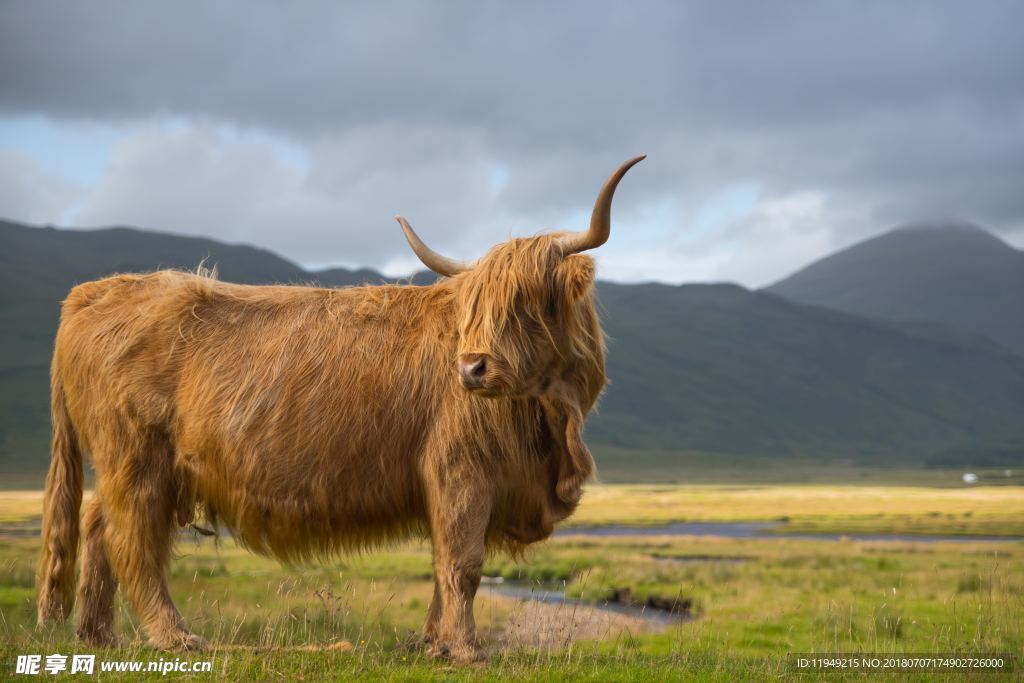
x: 601, y: 218
x: 442, y: 265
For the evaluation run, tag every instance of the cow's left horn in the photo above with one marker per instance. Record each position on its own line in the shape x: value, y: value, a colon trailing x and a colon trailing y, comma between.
x: 601, y: 218
x: 442, y: 265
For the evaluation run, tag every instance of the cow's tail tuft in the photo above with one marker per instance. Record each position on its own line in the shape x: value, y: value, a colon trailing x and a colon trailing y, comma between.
x: 61, y: 505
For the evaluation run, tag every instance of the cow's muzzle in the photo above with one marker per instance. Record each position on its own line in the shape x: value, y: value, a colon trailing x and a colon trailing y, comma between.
x: 473, y: 370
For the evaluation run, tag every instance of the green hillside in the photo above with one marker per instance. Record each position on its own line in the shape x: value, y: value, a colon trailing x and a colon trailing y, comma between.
x: 722, y: 369
x: 708, y: 368
x: 951, y: 272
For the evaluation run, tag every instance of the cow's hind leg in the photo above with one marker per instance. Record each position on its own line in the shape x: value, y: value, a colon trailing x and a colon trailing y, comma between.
x: 459, y: 526
x: 139, y: 512
x: 96, y: 585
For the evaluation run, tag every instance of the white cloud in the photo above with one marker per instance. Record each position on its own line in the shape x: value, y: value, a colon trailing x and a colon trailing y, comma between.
x: 331, y: 203
x: 779, y: 236
x: 774, y: 238
x: 32, y: 193
x: 190, y: 179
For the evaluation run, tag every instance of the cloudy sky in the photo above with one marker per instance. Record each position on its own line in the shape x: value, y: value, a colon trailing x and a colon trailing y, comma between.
x: 776, y: 132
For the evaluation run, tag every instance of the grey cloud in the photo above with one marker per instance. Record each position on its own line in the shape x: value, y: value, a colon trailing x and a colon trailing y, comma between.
x: 893, y: 111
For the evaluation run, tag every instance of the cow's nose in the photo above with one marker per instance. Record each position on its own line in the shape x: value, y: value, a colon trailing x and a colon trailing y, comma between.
x: 473, y: 369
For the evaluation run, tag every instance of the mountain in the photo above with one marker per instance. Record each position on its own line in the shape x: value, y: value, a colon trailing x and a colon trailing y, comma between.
x: 950, y: 272
x: 695, y: 368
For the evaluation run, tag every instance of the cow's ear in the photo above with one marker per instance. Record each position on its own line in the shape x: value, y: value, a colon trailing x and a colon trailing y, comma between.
x: 575, y: 275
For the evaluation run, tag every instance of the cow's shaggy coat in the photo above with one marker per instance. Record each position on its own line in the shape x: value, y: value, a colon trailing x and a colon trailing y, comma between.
x: 312, y: 421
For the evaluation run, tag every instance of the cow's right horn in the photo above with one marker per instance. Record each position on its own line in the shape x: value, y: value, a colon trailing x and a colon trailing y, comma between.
x: 442, y: 265
x: 601, y: 218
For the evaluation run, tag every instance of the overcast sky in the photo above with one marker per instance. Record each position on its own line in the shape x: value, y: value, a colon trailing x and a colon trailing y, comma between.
x: 776, y: 131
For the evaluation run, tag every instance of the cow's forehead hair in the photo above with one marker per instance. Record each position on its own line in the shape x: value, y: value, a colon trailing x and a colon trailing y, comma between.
x: 512, y: 287
x: 514, y: 272
x: 521, y: 258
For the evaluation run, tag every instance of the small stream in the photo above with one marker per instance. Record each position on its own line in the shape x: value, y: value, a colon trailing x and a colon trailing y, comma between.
x: 554, y: 594
x: 667, y: 614
x: 765, y: 530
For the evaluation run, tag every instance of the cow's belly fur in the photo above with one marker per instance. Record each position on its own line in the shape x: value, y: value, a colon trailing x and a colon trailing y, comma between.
x: 340, y: 483
x: 356, y: 502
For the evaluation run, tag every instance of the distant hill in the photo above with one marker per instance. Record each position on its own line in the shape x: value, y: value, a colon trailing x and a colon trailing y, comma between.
x: 696, y: 368
x: 722, y: 369
x: 949, y: 272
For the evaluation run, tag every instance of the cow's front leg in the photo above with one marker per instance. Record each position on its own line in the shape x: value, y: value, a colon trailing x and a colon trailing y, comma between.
x: 458, y: 528
x: 433, y: 615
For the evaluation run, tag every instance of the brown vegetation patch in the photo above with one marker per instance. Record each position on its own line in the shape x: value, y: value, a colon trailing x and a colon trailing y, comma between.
x: 678, y: 605
x: 546, y: 626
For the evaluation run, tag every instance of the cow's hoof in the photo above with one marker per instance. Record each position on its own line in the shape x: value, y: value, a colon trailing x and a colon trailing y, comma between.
x: 100, y: 638
x: 469, y: 655
x: 194, y: 643
x: 459, y: 655
x: 437, y: 650
x: 185, y: 641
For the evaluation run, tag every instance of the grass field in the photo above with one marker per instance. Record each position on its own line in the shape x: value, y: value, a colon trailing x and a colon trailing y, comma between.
x: 996, y: 510
x: 746, y: 602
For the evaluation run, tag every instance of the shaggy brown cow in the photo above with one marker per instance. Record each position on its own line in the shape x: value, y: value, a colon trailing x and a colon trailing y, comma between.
x: 312, y: 421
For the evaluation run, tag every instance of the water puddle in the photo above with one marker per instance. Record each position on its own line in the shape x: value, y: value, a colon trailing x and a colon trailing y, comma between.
x: 702, y: 559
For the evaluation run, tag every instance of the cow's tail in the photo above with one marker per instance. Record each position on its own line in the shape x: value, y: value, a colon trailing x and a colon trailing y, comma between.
x: 55, y: 579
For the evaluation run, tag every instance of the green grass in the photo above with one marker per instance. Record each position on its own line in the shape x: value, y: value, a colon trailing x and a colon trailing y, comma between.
x: 627, y: 665
x: 785, y: 596
x: 792, y: 596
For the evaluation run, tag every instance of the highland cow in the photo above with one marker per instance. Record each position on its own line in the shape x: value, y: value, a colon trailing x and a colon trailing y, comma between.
x: 312, y: 421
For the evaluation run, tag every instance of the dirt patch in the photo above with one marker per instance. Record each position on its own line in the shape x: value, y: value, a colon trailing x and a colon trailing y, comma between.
x: 337, y: 646
x: 533, y: 624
